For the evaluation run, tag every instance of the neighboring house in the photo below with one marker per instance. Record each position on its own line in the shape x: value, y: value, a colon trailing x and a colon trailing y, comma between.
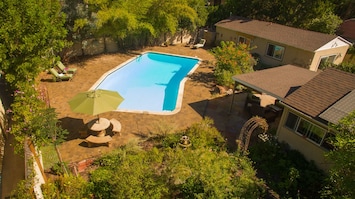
x: 310, y: 102
x: 347, y: 30
x: 278, y: 45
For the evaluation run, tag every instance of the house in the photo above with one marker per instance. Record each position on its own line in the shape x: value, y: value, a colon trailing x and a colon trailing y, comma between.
x: 310, y: 101
x: 347, y: 30
x: 278, y: 45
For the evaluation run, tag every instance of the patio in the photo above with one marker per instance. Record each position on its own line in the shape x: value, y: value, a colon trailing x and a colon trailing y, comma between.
x: 198, y: 102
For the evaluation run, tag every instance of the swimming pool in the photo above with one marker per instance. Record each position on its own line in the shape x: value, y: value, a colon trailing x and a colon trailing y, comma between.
x: 151, y: 82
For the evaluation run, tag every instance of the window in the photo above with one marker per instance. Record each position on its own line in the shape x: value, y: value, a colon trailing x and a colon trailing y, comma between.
x: 308, y: 130
x: 244, y: 40
x: 291, y: 121
x: 275, y: 51
x: 325, y: 61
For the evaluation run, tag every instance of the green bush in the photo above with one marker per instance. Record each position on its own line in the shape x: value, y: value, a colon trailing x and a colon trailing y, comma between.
x: 201, y: 135
x: 67, y: 186
x: 286, y: 171
x: 204, y: 170
x: 232, y: 59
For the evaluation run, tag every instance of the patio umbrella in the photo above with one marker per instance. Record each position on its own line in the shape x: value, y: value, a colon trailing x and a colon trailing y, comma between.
x: 95, y: 102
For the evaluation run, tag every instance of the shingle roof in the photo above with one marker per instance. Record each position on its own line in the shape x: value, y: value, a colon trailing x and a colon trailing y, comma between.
x: 347, y: 29
x: 277, y: 82
x: 340, y: 109
x: 321, y: 92
x: 298, y: 38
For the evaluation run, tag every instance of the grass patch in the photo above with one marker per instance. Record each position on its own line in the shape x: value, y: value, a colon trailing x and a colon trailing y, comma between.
x: 50, y: 157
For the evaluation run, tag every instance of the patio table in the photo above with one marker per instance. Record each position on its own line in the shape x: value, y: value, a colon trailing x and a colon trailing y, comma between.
x: 99, y: 126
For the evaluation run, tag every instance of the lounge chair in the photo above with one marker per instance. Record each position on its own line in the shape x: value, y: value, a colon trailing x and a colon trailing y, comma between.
x: 60, y: 76
x: 200, y: 44
x: 64, y: 69
x: 190, y: 43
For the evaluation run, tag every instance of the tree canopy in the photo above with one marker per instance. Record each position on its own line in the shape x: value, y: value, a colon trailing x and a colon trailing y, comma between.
x: 300, y: 14
x: 135, y: 21
x: 342, y: 173
x: 32, y: 32
x: 232, y: 59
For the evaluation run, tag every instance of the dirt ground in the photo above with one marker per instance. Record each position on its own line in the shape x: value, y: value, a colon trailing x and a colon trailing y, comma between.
x: 198, y: 102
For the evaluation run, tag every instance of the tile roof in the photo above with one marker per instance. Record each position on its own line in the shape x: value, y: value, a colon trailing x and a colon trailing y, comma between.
x: 298, y: 38
x: 278, y: 81
x: 321, y: 92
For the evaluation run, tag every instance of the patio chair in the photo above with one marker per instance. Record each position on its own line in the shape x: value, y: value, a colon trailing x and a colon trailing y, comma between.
x: 200, y: 44
x: 64, y: 69
x: 94, y: 140
x: 116, y: 126
x: 60, y: 76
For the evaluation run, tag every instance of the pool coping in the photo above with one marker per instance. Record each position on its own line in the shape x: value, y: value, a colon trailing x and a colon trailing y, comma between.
x: 180, y: 95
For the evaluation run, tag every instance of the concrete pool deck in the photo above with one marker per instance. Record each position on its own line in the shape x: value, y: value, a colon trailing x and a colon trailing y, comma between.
x: 198, y: 102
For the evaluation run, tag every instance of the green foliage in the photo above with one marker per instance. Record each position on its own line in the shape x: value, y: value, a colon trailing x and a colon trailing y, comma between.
x: 131, y: 175
x: 232, y: 60
x: 31, y: 35
x: 342, y: 173
x: 49, y: 156
x: 221, y: 176
x: 299, y: 14
x: 344, y: 8
x: 59, y: 168
x: 31, y: 119
x: 286, y: 171
x: 23, y: 190
x: 200, y: 171
x: 344, y: 66
x: 129, y: 21
x: 327, y: 23
x: 201, y: 135
x: 67, y: 186
x: 32, y: 31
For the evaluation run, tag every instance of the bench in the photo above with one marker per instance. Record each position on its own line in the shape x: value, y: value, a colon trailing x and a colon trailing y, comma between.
x: 116, y: 126
x: 91, y: 140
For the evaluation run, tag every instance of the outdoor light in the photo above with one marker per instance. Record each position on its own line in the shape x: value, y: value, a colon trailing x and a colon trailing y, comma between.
x: 185, y: 141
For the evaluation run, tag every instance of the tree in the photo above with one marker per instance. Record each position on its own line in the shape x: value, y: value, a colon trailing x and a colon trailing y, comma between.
x: 203, y: 170
x: 232, y: 59
x: 299, y: 14
x: 143, y: 21
x: 327, y: 23
x: 342, y: 172
x: 32, y: 32
x: 345, y: 8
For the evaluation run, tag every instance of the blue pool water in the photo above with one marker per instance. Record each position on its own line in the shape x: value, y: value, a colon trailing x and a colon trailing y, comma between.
x: 151, y: 82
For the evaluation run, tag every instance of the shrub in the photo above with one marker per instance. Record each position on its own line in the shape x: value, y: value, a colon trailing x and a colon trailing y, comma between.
x: 232, y: 60
x: 204, y: 170
x: 66, y: 186
x: 286, y: 171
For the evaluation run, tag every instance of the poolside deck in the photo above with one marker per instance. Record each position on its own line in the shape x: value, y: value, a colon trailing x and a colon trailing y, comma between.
x: 198, y: 102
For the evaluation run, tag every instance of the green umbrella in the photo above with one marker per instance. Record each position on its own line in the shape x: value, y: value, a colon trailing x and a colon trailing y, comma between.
x: 95, y: 102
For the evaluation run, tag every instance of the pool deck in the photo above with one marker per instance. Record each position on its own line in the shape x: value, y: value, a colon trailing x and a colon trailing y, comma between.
x: 198, y: 102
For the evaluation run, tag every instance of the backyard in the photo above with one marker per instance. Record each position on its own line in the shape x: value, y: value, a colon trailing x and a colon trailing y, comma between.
x: 199, y: 101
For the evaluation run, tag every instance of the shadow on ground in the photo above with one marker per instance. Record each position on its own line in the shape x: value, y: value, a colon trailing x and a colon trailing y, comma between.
x: 73, y: 125
x: 228, y: 117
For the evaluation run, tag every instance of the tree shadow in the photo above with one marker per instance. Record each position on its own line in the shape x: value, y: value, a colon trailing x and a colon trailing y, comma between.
x: 73, y: 126
x: 227, y: 114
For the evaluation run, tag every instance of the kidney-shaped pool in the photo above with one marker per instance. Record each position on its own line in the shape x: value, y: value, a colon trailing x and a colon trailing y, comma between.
x: 151, y: 82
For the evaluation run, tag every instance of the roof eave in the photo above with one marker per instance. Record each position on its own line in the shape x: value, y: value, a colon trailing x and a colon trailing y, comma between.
x: 256, y: 88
